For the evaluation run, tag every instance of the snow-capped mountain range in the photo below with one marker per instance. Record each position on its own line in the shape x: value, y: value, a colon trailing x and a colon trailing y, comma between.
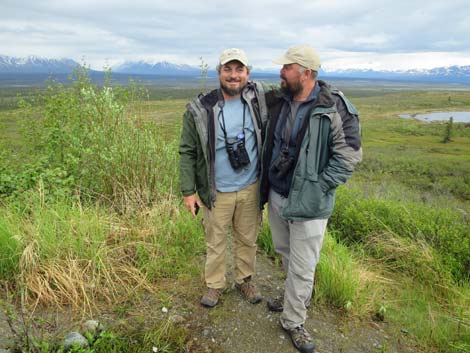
x: 32, y: 64
x: 156, y: 68
x: 460, y: 74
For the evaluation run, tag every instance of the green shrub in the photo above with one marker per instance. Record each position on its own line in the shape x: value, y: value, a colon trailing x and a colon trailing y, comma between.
x: 88, y: 139
x: 448, y: 132
x: 16, y: 183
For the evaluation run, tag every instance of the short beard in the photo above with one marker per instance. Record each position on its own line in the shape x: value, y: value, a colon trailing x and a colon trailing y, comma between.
x: 291, y: 89
x: 231, y: 91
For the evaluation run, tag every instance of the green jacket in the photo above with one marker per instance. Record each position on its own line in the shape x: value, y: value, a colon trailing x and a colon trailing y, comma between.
x: 329, y: 153
x: 199, y: 136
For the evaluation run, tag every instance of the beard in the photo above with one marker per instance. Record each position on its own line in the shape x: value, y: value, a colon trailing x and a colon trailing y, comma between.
x: 229, y: 90
x: 291, y: 88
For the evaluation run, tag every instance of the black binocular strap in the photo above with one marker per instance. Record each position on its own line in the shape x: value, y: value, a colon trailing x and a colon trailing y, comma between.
x: 223, y: 121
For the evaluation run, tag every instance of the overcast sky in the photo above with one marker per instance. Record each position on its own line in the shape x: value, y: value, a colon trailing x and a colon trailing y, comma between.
x: 397, y: 34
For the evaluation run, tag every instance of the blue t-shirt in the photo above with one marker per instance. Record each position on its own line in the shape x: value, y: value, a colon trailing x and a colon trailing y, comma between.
x: 228, y: 179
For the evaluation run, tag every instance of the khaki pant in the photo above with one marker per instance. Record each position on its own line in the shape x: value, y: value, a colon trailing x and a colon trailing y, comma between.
x: 299, y: 243
x: 239, y: 210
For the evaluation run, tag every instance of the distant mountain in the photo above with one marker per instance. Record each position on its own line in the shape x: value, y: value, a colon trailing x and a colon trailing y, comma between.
x: 36, y: 65
x: 169, y: 69
x: 159, y: 68
x: 457, y: 74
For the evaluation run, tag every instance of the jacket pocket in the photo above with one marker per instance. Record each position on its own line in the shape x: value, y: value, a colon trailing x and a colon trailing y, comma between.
x: 309, y: 201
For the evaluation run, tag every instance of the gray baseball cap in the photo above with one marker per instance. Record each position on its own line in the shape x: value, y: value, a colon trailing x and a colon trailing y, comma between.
x: 301, y: 54
x: 233, y: 54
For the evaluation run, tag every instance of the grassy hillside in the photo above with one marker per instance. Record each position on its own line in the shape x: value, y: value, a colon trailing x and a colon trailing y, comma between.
x: 90, y: 213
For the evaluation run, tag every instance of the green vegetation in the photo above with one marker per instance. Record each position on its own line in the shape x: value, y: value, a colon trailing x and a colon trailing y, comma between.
x: 338, y: 274
x: 448, y: 131
x: 90, y: 214
x: 377, y: 223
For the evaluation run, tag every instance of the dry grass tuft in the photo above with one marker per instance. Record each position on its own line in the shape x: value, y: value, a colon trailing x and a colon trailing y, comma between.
x: 413, y: 256
x: 78, y: 282
x: 83, y: 257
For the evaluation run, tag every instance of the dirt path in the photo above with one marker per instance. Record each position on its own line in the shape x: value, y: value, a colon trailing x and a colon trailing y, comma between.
x: 235, y: 326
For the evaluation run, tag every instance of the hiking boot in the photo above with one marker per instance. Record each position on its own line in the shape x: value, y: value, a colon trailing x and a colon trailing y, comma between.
x: 301, y: 339
x: 211, y: 297
x: 249, y: 291
x: 276, y: 304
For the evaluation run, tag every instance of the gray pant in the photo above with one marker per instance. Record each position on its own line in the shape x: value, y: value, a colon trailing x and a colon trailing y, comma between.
x: 299, y: 244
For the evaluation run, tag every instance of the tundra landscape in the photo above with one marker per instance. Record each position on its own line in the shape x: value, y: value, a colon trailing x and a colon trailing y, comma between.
x: 92, y: 227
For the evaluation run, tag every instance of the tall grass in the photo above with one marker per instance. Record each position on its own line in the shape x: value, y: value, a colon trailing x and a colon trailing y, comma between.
x: 424, y: 250
x: 360, y: 220
x: 265, y: 241
x: 172, y: 241
x: 64, y: 252
x: 338, y: 275
x: 9, y: 255
x: 446, y: 327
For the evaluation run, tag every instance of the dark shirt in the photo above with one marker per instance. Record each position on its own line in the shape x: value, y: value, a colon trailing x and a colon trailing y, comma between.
x: 282, y: 184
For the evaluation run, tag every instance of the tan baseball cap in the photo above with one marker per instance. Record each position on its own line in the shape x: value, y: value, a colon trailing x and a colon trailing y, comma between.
x: 233, y: 54
x: 302, y: 54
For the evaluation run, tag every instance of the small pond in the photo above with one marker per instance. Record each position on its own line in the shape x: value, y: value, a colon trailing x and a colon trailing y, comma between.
x: 459, y: 117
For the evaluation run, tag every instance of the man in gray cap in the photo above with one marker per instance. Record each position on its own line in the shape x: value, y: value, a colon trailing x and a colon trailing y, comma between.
x: 219, y: 168
x: 312, y: 145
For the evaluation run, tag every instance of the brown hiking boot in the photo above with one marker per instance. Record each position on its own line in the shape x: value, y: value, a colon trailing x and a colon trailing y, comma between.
x: 301, y: 339
x: 211, y: 297
x: 249, y: 291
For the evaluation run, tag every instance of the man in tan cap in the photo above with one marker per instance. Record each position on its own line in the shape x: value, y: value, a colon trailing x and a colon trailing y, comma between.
x: 219, y: 151
x: 312, y: 145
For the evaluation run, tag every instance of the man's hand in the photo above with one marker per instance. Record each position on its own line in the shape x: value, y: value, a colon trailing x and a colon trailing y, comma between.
x: 192, y: 202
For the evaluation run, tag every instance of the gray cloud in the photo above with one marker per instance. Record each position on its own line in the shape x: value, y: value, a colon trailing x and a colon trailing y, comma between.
x: 183, y: 31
